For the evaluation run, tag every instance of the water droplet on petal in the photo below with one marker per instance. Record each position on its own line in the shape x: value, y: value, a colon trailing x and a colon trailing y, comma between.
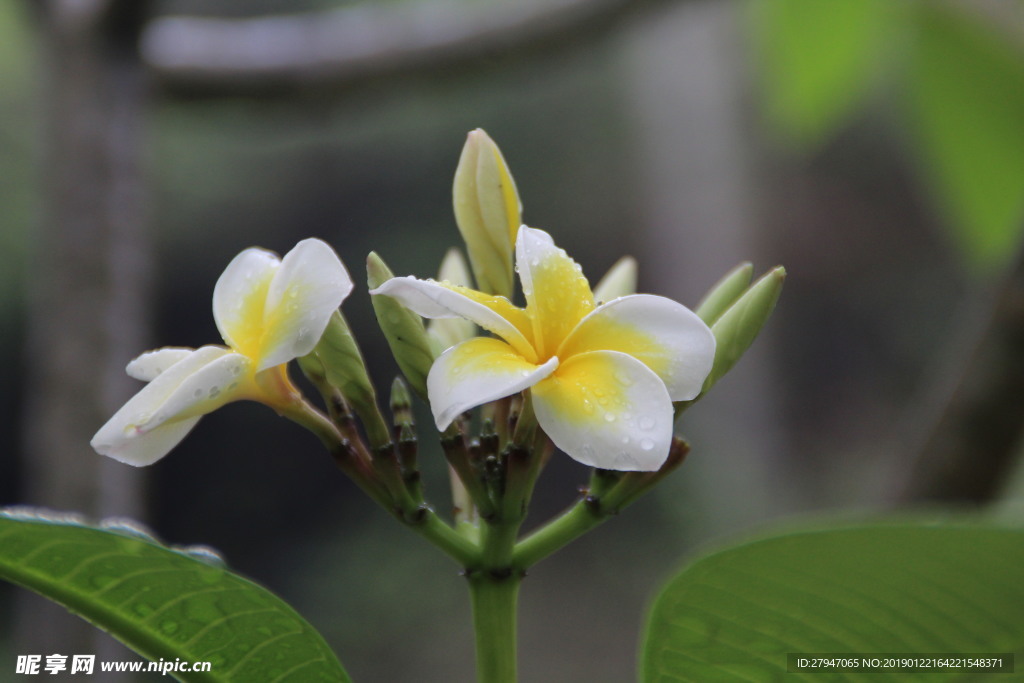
x: 647, y: 422
x: 647, y: 444
x: 609, y: 417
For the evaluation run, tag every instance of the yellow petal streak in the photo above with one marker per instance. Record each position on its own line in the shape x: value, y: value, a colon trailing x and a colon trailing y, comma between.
x: 476, y: 371
x: 558, y: 298
x: 247, y: 320
x: 606, y: 409
x: 503, y: 307
x: 603, y: 333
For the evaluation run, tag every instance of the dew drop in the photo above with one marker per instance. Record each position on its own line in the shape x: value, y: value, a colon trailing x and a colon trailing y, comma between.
x: 214, y: 392
x: 197, y: 393
x: 646, y: 444
x: 609, y: 417
x: 647, y: 422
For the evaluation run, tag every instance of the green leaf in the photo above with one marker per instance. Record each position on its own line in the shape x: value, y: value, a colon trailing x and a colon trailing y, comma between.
x: 967, y: 108
x: 817, y: 59
x: 904, y: 587
x: 165, y: 604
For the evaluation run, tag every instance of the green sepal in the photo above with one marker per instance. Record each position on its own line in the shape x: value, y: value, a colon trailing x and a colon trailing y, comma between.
x: 403, y: 329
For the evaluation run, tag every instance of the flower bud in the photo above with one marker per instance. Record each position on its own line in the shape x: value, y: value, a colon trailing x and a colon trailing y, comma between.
x: 447, y: 332
x: 487, y: 211
x: 725, y: 293
x: 620, y: 280
x: 403, y: 329
x: 344, y: 369
x: 401, y: 404
x: 737, y: 327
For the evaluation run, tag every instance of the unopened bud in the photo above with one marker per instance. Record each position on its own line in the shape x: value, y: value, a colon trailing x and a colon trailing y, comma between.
x: 344, y: 369
x: 620, y: 280
x: 401, y: 403
x: 738, y: 326
x: 725, y: 293
x: 487, y: 211
x: 403, y: 329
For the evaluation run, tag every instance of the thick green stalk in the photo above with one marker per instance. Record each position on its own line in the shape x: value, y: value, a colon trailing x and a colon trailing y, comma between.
x: 494, y: 599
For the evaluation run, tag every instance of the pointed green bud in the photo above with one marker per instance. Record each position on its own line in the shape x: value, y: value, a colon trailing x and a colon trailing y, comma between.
x: 403, y: 329
x: 401, y: 403
x: 344, y: 369
x: 488, y: 212
x: 447, y: 332
x: 738, y: 326
x: 725, y: 293
x: 620, y: 280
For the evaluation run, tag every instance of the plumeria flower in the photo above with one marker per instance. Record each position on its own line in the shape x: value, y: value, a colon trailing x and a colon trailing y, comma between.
x: 602, y: 377
x: 269, y: 311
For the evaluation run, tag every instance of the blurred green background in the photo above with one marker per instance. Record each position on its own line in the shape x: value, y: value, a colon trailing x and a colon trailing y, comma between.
x: 875, y: 148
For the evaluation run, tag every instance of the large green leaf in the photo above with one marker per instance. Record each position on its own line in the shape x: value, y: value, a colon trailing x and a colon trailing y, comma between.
x: 818, y: 59
x: 967, y: 111
x: 901, y: 588
x: 165, y: 604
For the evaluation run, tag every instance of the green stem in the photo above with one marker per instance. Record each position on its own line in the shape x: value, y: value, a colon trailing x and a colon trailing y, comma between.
x: 494, y: 601
x: 438, y: 532
x: 576, y: 521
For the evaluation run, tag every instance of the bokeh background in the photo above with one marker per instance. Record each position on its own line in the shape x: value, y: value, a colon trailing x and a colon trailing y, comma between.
x: 873, y: 147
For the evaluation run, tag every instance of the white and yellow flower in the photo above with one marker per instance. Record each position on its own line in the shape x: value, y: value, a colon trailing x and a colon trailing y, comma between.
x: 602, y: 377
x: 269, y: 311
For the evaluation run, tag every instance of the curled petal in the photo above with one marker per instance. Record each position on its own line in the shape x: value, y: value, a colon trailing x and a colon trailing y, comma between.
x: 557, y: 294
x: 436, y: 300
x: 239, y: 298
x: 153, y: 421
x: 606, y: 409
x: 668, y: 337
x: 305, y: 290
x: 475, y: 372
x: 152, y: 363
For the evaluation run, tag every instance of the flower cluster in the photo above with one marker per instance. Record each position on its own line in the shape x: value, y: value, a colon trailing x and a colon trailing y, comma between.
x: 604, y: 374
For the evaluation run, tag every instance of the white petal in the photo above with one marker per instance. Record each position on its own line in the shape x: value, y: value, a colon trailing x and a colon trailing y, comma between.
x: 434, y: 300
x: 308, y: 287
x: 668, y: 337
x: 147, y: 449
x: 475, y: 372
x: 531, y: 245
x: 150, y: 423
x: 222, y: 380
x: 239, y: 298
x: 606, y: 409
x: 152, y: 363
